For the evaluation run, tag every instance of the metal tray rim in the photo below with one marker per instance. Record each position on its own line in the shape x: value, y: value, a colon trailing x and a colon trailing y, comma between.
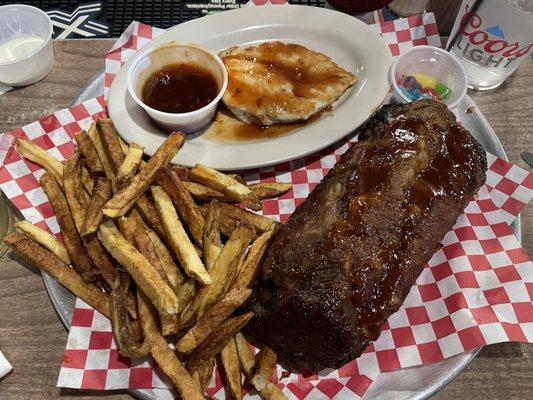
x: 64, y: 308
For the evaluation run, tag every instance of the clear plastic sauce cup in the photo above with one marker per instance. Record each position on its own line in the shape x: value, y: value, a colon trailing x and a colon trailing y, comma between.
x: 26, y: 51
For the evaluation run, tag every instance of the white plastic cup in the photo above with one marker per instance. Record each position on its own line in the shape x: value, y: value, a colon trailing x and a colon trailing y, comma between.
x: 146, y: 63
x: 434, y: 62
x: 18, y: 20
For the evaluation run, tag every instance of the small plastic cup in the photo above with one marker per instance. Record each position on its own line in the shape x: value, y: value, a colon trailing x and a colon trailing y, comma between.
x: 21, y: 20
x: 149, y: 61
x: 434, y: 62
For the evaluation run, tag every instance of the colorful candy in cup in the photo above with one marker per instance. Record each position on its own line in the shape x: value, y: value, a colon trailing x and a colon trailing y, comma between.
x: 425, y: 81
x: 420, y: 86
x: 443, y: 91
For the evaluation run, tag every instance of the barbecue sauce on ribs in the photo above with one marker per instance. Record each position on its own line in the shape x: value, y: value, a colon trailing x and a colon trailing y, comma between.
x: 348, y: 256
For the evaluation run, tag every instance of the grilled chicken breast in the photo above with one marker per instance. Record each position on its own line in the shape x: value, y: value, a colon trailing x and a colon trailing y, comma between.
x: 278, y: 82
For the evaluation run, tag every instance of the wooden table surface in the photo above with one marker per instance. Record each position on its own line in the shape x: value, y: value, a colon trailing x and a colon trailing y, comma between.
x: 33, y: 338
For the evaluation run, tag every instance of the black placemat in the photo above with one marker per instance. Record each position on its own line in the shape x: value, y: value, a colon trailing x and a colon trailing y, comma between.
x: 110, y: 18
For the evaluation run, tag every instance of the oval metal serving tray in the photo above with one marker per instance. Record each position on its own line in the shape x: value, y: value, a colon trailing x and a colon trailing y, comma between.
x: 406, y: 384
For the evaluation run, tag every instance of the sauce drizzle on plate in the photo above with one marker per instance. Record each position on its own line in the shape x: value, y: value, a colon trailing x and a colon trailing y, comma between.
x: 227, y: 128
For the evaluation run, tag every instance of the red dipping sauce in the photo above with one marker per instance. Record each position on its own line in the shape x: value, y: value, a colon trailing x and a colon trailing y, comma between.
x: 179, y: 88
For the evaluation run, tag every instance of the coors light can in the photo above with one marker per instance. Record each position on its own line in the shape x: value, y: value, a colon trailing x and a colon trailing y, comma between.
x: 492, y: 41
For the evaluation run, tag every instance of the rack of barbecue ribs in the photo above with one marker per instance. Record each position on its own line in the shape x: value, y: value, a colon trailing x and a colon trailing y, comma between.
x: 349, y: 254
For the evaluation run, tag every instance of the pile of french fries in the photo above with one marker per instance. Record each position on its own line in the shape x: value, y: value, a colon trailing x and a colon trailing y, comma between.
x: 164, y: 252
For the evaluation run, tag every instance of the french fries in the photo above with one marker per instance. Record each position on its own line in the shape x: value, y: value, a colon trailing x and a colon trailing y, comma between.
x: 109, y: 147
x: 185, y: 297
x: 34, y: 153
x: 128, y: 227
x: 94, y: 216
x: 217, y: 341
x: 222, y: 269
x: 182, y: 172
x: 272, y: 392
x: 178, y: 238
x: 73, y: 243
x: 212, y: 319
x: 226, y: 224
x: 247, y: 360
x: 182, y: 200
x: 212, y: 242
x: 267, y: 190
x: 202, y: 192
x: 164, y: 355
x: 261, y: 190
x: 246, y: 273
x: 147, y: 249
x: 226, y: 185
x: 169, y: 322
x: 143, y: 205
x: 78, y: 200
x: 203, y: 374
x: 122, y: 201
x: 139, y: 268
x: 100, y: 258
x: 230, y: 361
x: 234, y: 271
x: 246, y: 356
x: 266, y: 362
x: 75, y: 193
x: 128, y: 345
x: 86, y: 180
x: 174, y: 276
x: 111, y: 142
x: 230, y: 216
x: 52, y: 265
x: 175, y: 267
x: 96, y: 139
x: 129, y: 166
x: 86, y: 146
x: 149, y: 213
x: 44, y: 239
x: 260, y: 223
x: 238, y: 178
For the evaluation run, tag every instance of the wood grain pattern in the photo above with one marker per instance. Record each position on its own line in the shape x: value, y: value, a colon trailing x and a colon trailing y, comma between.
x: 33, y: 338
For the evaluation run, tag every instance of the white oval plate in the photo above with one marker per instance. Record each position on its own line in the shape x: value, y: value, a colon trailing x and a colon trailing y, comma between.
x: 349, y: 42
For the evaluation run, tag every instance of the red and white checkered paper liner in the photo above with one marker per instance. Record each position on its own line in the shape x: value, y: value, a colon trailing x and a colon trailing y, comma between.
x: 476, y: 290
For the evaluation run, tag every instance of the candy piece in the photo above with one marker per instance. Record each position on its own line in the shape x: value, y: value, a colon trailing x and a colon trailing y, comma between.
x: 443, y: 91
x: 415, y: 93
x: 406, y: 93
x: 425, y: 80
x: 432, y: 92
x: 426, y: 96
x: 400, y: 81
x: 409, y: 82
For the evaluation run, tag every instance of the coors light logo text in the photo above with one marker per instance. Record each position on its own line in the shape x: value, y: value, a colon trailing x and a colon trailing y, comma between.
x: 487, y: 47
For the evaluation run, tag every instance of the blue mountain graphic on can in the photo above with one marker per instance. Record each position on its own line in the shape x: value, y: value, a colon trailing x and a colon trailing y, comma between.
x: 496, y: 31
